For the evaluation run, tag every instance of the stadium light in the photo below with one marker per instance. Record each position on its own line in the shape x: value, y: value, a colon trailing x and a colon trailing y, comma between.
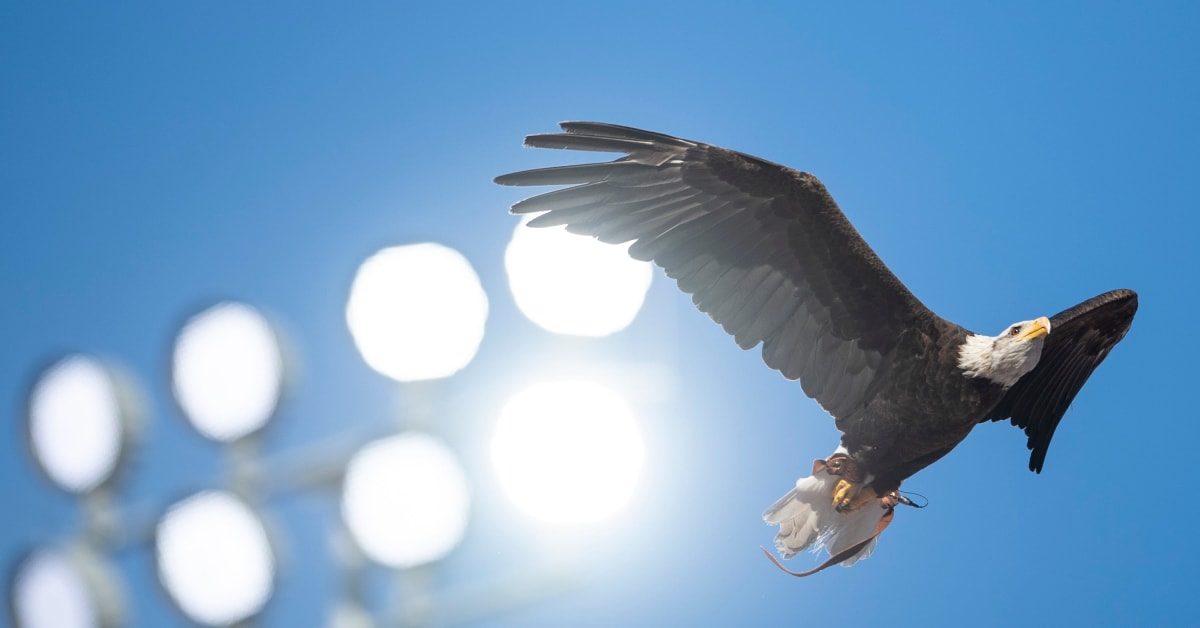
x: 564, y: 452
x: 215, y: 559
x: 81, y: 420
x: 227, y: 371
x: 405, y: 500
x: 417, y: 312
x: 569, y: 284
x: 64, y: 587
x: 567, y: 452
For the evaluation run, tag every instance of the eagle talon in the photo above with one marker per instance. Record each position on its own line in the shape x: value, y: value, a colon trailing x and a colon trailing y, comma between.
x: 844, y: 493
x: 850, y: 496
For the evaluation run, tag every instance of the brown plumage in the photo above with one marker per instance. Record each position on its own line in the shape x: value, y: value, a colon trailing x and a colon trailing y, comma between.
x: 765, y: 251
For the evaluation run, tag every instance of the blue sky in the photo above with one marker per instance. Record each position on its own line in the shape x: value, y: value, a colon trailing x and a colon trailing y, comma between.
x: 1005, y: 161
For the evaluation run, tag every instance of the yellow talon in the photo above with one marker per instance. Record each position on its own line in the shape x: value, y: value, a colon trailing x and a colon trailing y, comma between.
x: 849, y: 496
x: 844, y: 493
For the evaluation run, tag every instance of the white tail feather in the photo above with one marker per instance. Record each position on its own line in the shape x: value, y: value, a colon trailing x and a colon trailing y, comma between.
x: 807, y: 519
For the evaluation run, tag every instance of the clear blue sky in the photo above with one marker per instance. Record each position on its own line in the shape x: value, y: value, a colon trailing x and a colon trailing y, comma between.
x: 1005, y: 161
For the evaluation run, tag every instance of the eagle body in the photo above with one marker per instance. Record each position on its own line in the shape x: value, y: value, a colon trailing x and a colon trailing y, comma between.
x: 926, y: 407
x: 767, y: 253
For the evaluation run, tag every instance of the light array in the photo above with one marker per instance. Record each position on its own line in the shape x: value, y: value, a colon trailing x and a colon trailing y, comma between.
x: 563, y: 451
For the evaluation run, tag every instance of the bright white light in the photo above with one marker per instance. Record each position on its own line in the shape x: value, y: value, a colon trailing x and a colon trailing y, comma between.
x: 569, y: 284
x: 50, y: 592
x: 214, y: 558
x: 406, y: 500
x: 75, y: 423
x: 417, y: 312
x: 228, y: 371
x: 567, y: 451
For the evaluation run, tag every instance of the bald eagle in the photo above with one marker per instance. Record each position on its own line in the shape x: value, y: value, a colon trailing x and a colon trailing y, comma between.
x: 766, y: 252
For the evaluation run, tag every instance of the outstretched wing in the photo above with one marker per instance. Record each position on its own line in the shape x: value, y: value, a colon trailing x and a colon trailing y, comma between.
x: 1079, y: 340
x: 762, y: 249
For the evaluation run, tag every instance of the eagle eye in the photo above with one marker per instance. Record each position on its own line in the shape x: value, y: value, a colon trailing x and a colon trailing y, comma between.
x: 1016, y: 329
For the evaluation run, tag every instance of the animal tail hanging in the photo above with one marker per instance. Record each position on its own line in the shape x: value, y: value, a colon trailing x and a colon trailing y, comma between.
x: 807, y: 520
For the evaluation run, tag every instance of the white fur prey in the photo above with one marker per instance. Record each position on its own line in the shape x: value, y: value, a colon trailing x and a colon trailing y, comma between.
x: 807, y: 519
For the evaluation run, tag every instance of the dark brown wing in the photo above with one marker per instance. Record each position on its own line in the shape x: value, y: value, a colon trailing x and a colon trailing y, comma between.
x: 1080, y: 338
x: 763, y: 249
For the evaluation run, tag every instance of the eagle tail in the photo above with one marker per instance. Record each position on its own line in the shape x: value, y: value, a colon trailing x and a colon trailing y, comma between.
x: 807, y: 520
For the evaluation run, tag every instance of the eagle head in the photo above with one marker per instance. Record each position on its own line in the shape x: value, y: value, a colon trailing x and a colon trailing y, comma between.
x: 1004, y: 358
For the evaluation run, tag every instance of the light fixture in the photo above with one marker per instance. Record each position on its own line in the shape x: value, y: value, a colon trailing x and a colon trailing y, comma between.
x: 567, y: 451
x: 67, y: 587
x: 406, y: 500
x: 227, y: 371
x: 214, y: 558
x: 80, y: 420
x: 575, y: 285
x: 417, y: 312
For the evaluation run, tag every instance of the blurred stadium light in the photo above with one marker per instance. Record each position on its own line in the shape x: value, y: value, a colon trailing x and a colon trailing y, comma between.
x: 227, y: 371
x: 406, y: 500
x: 565, y: 452
x: 81, y: 420
x: 215, y: 559
x: 64, y: 587
x: 417, y: 312
x: 572, y: 285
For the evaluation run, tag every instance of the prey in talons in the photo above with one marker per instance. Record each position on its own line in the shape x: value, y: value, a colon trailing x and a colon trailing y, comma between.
x: 853, y: 490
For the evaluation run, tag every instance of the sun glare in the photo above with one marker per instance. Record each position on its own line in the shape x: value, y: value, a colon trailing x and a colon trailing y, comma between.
x: 567, y: 452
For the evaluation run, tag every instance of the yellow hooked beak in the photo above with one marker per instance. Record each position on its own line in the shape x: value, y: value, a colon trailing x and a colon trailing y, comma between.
x: 1039, y: 328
